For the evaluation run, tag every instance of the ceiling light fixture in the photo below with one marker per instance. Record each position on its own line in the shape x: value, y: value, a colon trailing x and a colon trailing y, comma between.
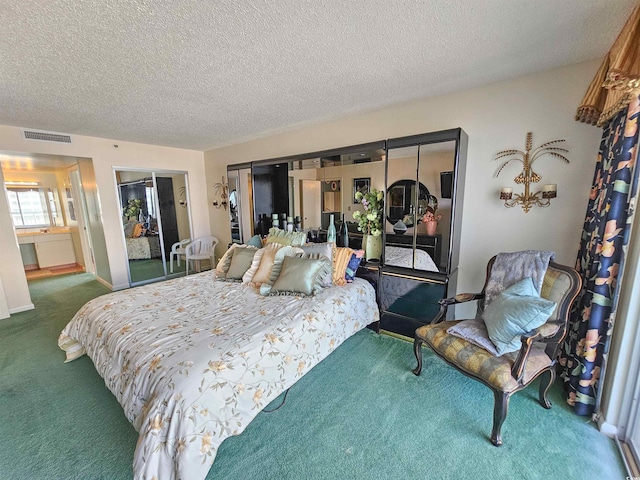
x: 21, y: 184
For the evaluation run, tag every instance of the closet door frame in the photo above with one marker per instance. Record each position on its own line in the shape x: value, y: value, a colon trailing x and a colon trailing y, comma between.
x: 153, y: 172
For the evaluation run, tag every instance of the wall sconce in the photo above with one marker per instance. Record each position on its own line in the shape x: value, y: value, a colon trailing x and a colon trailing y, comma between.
x: 528, y: 176
x: 182, y: 191
x: 222, y: 192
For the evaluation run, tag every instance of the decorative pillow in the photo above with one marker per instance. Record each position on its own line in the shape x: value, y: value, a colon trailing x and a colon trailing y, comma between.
x: 283, y: 237
x: 474, y: 331
x: 516, y: 311
x: 240, y: 262
x: 299, y: 276
x: 267, y: 260
x: 137, y: 230
x: 257, y: 259
x: 255, y: 241
x: 225, y: 262
x: 340, y: 263
x: 128, y: 228
x: 325, y: 249
x: 352, y: 266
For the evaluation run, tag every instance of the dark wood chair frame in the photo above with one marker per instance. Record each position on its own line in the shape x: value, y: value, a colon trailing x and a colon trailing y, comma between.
x: 553, y: 342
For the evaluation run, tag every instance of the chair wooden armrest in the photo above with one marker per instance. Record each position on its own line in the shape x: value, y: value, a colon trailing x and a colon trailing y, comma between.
x: 460, y: 298
x: 545, y: 333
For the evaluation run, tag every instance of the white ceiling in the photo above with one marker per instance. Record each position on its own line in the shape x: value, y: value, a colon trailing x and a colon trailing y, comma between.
x: 200, y: 74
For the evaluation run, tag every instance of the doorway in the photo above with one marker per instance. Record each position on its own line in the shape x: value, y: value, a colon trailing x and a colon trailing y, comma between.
x: 49, y: 211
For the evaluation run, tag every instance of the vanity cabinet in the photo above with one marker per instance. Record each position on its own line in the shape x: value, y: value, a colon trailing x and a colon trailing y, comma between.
x: 54, y: 250
x: 406, y: 302
x: 51, y: 249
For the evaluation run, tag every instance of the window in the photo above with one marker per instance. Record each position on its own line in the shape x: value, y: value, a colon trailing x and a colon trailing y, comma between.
x: 32, y: 207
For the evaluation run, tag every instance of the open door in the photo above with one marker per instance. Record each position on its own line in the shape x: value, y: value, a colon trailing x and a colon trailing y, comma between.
x: 311, y: 200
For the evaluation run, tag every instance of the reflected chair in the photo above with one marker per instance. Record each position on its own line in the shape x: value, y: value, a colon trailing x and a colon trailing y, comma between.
x: 177, y: 250
x: 202, y: 248
x: 511, y: 372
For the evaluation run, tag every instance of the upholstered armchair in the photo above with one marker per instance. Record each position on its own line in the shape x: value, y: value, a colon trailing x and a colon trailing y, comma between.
x: 510, y: 372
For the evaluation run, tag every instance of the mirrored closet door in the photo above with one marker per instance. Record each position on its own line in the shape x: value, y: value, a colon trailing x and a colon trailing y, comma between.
x: 155, y: 217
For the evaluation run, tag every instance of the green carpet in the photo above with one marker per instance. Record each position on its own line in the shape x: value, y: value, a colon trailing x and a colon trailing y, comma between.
x: 360, y: 414
x: 147, y: 269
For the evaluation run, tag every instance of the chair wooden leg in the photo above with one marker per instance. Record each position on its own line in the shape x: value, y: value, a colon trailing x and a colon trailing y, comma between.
x: 417, y: 350
x: 546, y: 380
x: 500, y: 408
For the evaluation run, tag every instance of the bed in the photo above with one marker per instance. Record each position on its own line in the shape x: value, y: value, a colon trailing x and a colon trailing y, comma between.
x: 141, y: 248
x: 401, y: 257
x: 141, y: 245
x: 192, y: 361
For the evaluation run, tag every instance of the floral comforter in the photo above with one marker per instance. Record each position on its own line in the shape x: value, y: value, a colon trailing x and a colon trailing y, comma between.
x: 192, y: 361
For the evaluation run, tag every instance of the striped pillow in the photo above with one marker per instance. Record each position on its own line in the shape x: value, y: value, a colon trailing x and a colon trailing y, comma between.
x: 257, y: 259
x: 340, y: 262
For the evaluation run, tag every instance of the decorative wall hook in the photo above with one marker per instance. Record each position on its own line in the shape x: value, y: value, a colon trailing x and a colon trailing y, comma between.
x: 528, y: 176
x: 222, y: 192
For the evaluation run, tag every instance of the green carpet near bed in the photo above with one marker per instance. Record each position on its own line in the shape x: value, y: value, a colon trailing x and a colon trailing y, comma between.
x: 360, y: 414
x: 141, y: 270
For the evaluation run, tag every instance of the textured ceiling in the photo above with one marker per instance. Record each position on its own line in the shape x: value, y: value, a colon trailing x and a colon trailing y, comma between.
x: 200, y: 74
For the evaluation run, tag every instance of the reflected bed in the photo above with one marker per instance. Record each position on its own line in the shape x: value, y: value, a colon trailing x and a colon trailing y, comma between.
x: 401, y: 257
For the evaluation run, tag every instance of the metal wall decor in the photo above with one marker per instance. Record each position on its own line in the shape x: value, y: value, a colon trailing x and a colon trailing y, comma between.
x: 222, y: 192
x: 528, y: 199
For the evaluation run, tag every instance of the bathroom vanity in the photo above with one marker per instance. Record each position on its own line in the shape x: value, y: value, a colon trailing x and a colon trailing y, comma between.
x: 48, y: 248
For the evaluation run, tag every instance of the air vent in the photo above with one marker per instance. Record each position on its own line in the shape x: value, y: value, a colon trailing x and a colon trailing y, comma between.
x: 46, y: 136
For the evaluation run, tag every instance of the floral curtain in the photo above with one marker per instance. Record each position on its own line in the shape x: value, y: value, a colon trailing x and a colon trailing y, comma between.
x: 599, y: 259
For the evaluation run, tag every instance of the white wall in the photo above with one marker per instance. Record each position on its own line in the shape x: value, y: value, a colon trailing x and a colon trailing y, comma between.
x: 496, y: 117
x: 105, y: 157
x: 12, y: 276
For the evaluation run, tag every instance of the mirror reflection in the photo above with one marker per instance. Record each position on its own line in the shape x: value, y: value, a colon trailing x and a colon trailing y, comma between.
x: 155, y: 219
x: 402, y: 209
x: 419, y: 206
x: 240, y: 204
x: 323, y: 189
x: 320, y: 188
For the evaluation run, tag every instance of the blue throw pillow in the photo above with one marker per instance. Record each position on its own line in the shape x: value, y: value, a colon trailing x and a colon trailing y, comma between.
x: 516, y: 311
x: 255, y: 241
x: 352, y: 268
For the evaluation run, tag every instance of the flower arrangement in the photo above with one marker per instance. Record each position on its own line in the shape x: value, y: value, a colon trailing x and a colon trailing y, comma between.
x: 430, y: 216
x: 370, y: 220
x: 132, y: 209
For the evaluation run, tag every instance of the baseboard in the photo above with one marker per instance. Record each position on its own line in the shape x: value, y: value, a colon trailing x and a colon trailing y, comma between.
x: 107, y: 284
x: 396, y: 335
x: 21, y: 308
x: 122, y: 286
x: 608, y: 429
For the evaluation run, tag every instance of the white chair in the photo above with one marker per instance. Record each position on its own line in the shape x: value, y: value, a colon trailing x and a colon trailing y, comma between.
x: 201, y: 248
x: 177, y: 250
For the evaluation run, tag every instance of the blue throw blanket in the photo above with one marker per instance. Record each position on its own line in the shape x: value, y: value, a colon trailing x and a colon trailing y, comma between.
x: 510, y: 268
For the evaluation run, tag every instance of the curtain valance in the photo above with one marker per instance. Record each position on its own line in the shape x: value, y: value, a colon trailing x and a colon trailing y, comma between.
x: 618, y: 79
